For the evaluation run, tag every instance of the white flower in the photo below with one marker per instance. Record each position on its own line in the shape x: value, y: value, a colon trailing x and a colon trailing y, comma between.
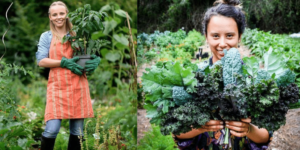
x: 96, y: 136
x: 31, y: 115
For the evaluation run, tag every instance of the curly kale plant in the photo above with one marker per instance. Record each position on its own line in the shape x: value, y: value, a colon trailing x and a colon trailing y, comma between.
x: 286, y: 78
x: 183, y: 118
x: 262, y: 75
x: 209, y: 87
x: 233, y: 104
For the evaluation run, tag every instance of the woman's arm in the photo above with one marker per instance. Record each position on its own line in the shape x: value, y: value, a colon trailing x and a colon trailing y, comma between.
x: 258, y: 135
x: 212, y: 125
x: 49, y: 63
x: 190, y: 134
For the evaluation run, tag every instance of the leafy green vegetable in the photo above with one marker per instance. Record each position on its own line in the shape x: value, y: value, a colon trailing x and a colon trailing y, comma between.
x: 183, y: 118
x: 233, y: 104
x: 158, y: 85
x: 273, y: 63
x: 262, y: 75
x: 286, y: 78
x: 209, y: 87
x: 250, y: 66
x: 232, y: 64
x: 180, y: 96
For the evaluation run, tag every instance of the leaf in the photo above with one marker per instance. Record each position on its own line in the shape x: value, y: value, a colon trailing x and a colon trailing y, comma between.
x: 87, y: 7
x: 97, y: 35
x: 151, y: 111
x: 22, y: 142
x: 105, y: 8
x: 251, y: 66
x: 91, y: 44
x: 97, y: 19
x: 121, y: 39
x: 122, y: 13
x: 265, y: 101
x: 113, y: 56
x: 273, y: 63
x: 109, y: 26
x: 164, y: 103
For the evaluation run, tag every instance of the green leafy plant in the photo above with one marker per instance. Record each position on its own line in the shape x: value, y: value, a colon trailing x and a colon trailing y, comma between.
x: 12, y: 134
x: 153, y: 139
x: 85, y: 22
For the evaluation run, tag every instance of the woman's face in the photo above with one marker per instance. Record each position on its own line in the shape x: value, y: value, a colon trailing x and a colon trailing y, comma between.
x: 222, y: 33
x: 58, y: 15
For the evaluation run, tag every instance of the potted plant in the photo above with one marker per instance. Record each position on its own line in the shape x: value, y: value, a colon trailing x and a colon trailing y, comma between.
x: 85, y: 22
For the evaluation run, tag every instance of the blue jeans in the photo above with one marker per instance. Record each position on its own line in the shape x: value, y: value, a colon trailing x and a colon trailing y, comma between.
x: 53, y: 126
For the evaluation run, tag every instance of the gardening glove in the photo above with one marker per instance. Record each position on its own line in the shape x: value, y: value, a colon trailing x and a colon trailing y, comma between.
x: 91, y: 65
x: 71, y: 65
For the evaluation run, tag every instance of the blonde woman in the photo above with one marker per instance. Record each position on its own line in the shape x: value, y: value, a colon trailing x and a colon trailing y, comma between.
x: 68, y: 95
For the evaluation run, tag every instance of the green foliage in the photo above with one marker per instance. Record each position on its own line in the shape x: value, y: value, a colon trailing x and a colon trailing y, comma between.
x: 157, y: 85
x: 85, y: 22
x: 209, y: 87
x: 262, y: 75
x: 155, y: 140
x: 180, y: 119
x: 272, y: 15
x: 180, y: 96
x: 13, y: 133
x: 282, y: 46
x: 286, y: 78
x: 168, y: 46
x: 233, y: 105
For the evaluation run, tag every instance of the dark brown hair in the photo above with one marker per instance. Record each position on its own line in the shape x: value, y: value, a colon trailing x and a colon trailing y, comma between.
x: 227, y: 8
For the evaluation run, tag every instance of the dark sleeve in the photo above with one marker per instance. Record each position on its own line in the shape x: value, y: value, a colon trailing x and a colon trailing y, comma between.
x: 199, y: 142
x: 263, y: 146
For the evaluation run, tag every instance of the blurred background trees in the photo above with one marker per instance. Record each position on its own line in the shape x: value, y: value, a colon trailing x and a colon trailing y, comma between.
x: 269, y: 15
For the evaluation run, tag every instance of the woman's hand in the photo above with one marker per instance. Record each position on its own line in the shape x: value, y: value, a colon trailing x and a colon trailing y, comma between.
x: 212, y: 125
x: 91, y: 65
x: 239, y: 128
x: 71, y: 65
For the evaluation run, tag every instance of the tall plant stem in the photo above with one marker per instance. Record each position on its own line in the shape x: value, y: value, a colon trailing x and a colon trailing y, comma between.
x: 133, y: 57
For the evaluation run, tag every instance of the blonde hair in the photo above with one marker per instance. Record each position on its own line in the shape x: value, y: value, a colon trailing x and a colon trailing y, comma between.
x: 69, y: 25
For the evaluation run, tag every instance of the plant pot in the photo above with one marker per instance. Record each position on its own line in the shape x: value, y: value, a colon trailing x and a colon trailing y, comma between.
x: 83, y: 59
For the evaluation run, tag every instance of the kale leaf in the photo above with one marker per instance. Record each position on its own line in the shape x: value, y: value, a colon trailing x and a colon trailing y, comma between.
x: 183, y: 118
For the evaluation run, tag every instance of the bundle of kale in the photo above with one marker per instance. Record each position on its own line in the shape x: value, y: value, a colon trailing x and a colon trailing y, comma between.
x: 181, y: 97
x: 169, y: 102
x: 262, y: 93
x: 269, y: 90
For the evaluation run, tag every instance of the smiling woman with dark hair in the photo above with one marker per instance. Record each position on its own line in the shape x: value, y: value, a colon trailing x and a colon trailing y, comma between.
x: 223, y: 26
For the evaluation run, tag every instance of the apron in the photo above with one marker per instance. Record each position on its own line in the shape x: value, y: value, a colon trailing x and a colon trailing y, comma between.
x: 68, y: 94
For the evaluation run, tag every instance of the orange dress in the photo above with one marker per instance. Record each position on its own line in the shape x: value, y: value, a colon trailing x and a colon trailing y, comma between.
x: 68, y: 94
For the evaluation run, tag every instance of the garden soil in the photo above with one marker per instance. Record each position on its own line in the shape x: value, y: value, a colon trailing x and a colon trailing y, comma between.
x: 285, y: 138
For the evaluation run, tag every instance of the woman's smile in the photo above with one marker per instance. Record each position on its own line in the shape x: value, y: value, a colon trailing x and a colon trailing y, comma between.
x: 221, y: 36
x: 58, y: 15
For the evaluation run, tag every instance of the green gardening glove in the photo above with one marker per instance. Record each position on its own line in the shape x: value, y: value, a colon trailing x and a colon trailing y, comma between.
x: 71, y: 65
x: 91, y: 65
